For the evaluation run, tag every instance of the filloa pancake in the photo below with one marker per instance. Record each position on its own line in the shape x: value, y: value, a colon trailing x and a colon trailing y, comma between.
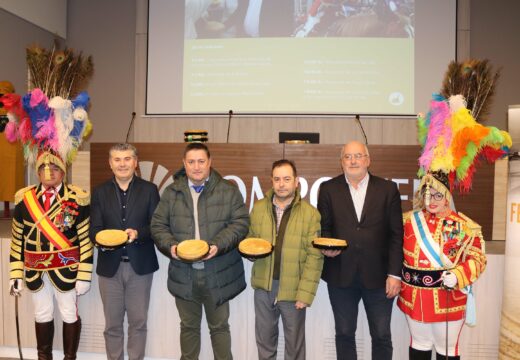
x: 192, y: 250
x: 255, y: 247
x: 329, y: 243
x: 111, y: 238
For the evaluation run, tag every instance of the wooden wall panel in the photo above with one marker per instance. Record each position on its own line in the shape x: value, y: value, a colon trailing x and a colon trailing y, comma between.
x: 256, y: 129
x: 314, y: 162
x: 398, y: 162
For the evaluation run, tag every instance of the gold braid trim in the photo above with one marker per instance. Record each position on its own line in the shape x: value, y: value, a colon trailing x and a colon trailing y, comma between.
x: 83, y: 226
x: 472, y: 228
x: 16, y: 274
x: 20, y: 193
x: 406, y: 216
x: 85, y: 267
x: 16, y: 250
x: 82, y: 196
x: 16, y: 265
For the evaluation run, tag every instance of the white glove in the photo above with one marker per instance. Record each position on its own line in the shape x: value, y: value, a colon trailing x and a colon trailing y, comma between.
x: 82, y: 287
x: 449, y: 279
x: 15, y: 290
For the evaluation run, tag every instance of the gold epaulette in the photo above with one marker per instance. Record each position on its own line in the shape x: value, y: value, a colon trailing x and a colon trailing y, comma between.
x: 82, y: 196
x: 471, y: 227
x: 20, y: 193
x: 406, y: 216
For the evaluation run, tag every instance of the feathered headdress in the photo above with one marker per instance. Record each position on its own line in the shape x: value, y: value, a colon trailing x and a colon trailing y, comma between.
x: 476, y: 81
x: 49, y: 124
x: 453, y: 141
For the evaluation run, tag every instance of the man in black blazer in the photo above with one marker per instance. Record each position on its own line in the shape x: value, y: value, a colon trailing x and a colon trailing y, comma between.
x: 125, y: 202
x: 366, y: 211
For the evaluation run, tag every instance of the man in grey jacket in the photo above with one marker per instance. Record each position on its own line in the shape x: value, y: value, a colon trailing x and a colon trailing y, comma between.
x: 200, y: 204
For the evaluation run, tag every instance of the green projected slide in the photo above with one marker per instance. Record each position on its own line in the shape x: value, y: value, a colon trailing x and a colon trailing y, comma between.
x: 299, y: 75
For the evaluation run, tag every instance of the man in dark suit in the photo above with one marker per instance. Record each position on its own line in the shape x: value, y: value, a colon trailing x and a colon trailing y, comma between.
x: 125, y: 202
x: 366, y: 211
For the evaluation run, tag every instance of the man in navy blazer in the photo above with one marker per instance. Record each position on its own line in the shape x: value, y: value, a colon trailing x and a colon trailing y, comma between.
x: 125, y: 202
x: 366, y: 211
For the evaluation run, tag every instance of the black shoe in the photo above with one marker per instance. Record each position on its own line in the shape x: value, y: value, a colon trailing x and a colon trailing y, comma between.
x: 443, y: 357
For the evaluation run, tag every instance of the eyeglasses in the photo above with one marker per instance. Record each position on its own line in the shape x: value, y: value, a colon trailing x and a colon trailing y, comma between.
x: 357, y: 156
x: 437, y: 196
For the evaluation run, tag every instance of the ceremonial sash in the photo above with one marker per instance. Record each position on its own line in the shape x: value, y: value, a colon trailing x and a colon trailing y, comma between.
x: 429, y: 247
x: 422, y: 278
x: 49, y: 260
x: 432, y: 251
x: 42, y: 221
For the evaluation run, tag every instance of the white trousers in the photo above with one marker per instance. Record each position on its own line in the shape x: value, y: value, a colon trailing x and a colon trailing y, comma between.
x: 426, y: 336
x: 43, y: 301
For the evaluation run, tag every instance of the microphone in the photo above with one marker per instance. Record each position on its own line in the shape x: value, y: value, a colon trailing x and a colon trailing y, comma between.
x: 362, y: 130
x: 130, y: 127
x: 230, y: 114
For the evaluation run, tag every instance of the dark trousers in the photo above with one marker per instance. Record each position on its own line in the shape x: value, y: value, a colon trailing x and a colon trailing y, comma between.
x: 217, y: 317
x: 345, y: 303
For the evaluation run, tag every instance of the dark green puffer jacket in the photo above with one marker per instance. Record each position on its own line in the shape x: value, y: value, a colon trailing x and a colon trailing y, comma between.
x: 223, y: 221
x: 301, y: 263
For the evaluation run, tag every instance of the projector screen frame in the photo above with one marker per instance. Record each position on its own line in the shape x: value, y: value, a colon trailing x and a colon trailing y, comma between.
x: 149, y: 114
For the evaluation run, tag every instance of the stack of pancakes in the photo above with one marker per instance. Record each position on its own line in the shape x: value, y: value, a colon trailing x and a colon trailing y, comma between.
x: 192, y: 250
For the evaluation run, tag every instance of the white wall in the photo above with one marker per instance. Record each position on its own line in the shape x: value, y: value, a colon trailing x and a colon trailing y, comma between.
x: 50, y: 15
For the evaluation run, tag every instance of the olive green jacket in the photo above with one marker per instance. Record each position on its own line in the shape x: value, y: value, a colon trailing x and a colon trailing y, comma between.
x: 301, y: 264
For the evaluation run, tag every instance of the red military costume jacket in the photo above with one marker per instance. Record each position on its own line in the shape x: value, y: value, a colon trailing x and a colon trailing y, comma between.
x: 425, y: 235
x: 55, y: 242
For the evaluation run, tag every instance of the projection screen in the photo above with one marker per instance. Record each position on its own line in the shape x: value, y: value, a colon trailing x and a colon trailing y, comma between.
x: 371, y: 57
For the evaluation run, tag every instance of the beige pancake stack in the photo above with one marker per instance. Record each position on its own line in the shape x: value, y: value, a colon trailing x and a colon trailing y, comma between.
x: 255, y: 247
x: 192, y: 250
x: 329, y: 243
x: 111, y: 238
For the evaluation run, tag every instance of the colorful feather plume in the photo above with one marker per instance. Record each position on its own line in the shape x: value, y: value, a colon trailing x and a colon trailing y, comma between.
x: 47, y: 119
x: 455, y: 143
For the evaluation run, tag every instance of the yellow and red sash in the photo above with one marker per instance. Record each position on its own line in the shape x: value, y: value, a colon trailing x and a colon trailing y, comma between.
x: 43, y: 222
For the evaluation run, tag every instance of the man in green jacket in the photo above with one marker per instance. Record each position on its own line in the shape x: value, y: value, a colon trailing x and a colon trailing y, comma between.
x: 200, y: 204
x: 286, y: 281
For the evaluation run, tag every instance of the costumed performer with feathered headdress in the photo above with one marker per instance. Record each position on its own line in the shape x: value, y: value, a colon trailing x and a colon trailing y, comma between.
x: 444, y: 252
x: 51, y: 253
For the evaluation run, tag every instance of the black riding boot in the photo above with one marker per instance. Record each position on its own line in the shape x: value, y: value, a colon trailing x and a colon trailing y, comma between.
x: 414, y: 354
x: 443, y: 357
x: 44, y: 337
x: 71, y: 333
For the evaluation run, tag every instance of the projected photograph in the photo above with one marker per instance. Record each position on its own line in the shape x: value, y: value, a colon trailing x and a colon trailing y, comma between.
x: 210, y: 19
